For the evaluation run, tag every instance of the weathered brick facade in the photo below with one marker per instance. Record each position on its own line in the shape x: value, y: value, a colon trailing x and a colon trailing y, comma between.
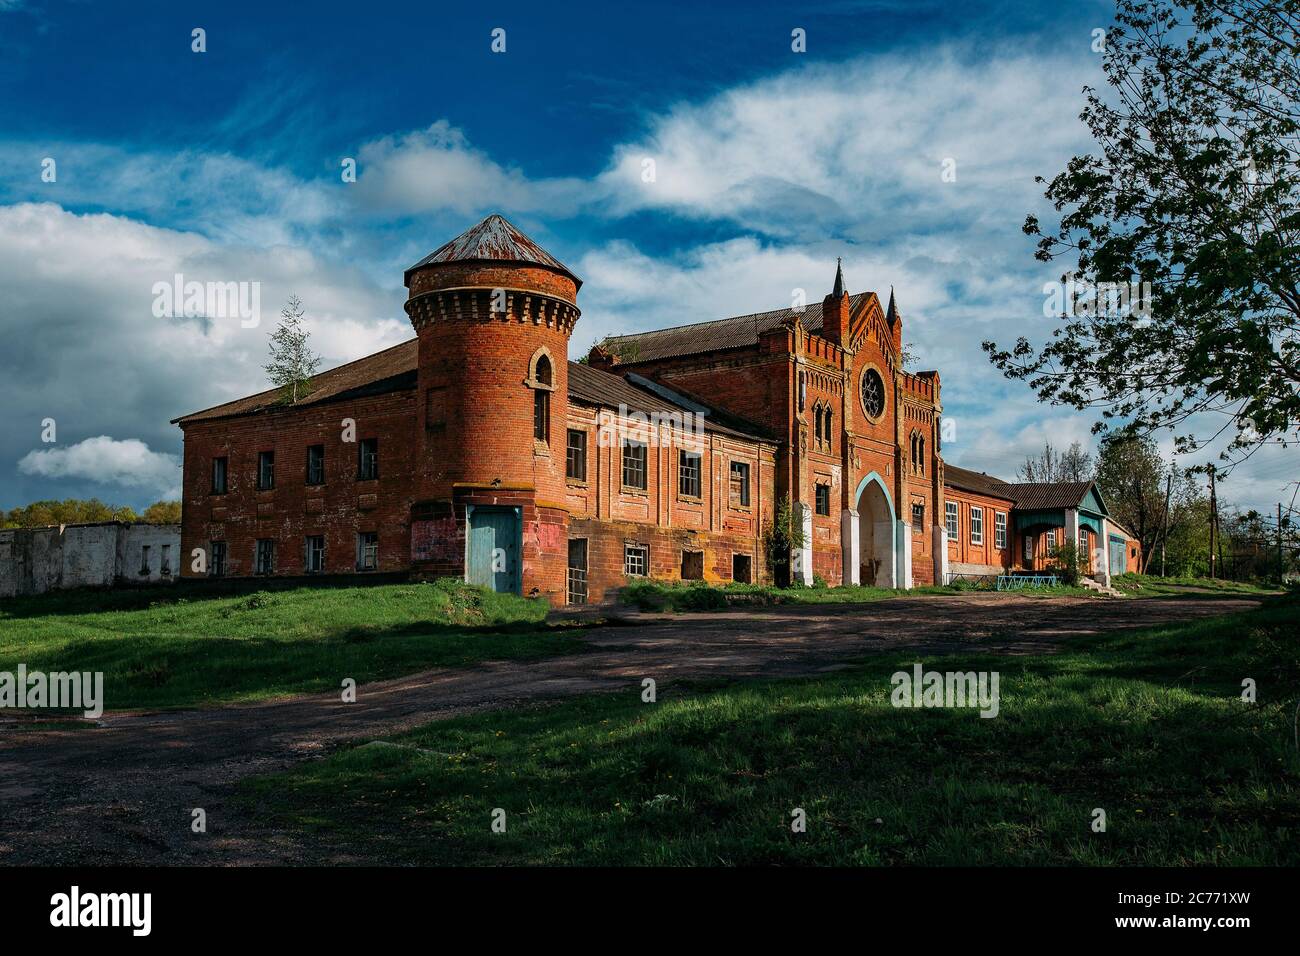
x: 478, y: 450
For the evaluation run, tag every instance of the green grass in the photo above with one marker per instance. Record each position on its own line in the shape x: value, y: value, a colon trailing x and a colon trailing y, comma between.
x: 699, y: 596
x: 1151, y: 585
x: 1148, y: 726
x: 190, y: 645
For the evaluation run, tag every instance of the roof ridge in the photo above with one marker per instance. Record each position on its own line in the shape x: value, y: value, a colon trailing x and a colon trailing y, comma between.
x: 273, y: 389
x: 729, y: 318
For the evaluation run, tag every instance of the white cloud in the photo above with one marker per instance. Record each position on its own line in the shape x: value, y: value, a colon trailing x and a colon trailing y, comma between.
x: 437, y: 168
x: 128, y: 464
x: 79, y: 342
x: 844, y: 144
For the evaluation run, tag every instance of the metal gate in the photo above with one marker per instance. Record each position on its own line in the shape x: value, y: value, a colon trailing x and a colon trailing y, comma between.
x: 1118, y: 565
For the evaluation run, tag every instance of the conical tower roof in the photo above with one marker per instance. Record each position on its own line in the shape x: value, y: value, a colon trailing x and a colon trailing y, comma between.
x: 495, y: 239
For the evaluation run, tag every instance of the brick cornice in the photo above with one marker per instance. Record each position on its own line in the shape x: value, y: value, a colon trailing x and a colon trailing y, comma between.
x: 525, y: 306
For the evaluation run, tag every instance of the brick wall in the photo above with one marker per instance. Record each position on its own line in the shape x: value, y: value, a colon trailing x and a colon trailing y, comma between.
x: 965, y: 555
x: 337, y: 510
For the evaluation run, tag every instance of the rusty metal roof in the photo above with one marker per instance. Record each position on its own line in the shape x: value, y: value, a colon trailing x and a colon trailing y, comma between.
x: 494, y: 239
x: 389, y: 370
x: 591, y: 386
x: 978, y: 482
x: 735, y: 332
x: 394, y: 369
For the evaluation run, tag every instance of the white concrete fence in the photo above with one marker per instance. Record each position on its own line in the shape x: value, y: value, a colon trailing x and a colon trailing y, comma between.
x: 107, y: 554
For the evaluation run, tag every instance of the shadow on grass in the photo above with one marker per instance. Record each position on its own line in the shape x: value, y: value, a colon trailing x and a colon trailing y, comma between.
x: 1186, y: 772
x: 143, y: 597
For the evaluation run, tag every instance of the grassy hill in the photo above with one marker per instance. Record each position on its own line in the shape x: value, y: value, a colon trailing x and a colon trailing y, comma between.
x: 189, y: 645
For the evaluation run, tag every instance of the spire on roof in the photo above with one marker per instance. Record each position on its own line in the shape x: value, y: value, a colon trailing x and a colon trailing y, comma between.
x: 839, y: 280
x: 891, y: 313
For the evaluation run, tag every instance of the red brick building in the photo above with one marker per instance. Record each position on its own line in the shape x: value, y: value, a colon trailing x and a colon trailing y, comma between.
x: 478, y: 450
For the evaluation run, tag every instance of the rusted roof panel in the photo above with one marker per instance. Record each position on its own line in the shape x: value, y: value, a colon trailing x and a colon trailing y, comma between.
x: 394, y: 369
x: 977, y: 482
x: 494, y: 239
x: 591, y: 386
x: 735, y: 332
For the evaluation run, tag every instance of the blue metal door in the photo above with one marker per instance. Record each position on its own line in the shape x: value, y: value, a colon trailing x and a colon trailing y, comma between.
x: 1117, y: 562
x: 494, y: 545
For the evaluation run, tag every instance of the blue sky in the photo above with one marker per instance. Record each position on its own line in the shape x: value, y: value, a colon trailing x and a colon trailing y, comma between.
x: 225, y: 166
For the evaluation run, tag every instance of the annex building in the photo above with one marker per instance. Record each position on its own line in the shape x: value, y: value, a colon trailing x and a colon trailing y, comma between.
x: 479, y: 450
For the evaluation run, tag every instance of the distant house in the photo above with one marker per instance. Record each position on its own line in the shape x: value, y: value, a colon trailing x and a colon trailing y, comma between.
x: 1028, y: 521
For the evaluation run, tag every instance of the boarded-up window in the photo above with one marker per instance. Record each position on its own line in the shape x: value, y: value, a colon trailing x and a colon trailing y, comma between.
x: 435, y: 409
x: 692, y: 565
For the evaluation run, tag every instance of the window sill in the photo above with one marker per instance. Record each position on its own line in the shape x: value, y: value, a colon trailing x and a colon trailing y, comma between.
x: 576, y: 482
x: 636, y: 492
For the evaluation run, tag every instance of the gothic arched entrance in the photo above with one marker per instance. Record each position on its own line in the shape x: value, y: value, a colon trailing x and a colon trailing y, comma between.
x: 877, y: 534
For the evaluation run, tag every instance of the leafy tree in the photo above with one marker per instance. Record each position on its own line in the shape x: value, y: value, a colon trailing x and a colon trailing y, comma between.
x: 43, y: 514
x: 1067, y: 562
x: 782, y: 539
x: 292, y: 362
x: 162, y: 512
x: 1195, y: 188
x: 1074, y: 464
x: 1136, y: 482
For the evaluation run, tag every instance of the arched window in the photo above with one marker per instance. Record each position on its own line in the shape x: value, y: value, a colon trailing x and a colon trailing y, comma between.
x: 541, y: 379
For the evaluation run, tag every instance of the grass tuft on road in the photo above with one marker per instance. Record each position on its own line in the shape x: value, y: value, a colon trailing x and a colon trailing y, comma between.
x: 1150, y: 727
x: 190, y: 645
x: 702, y: 596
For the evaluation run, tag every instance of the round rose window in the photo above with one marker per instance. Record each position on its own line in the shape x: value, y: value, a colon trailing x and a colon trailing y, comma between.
x: 873, y: 393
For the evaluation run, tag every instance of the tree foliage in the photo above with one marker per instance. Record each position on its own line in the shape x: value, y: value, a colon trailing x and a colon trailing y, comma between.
x: 1135, y: 483
x: 782, y: 538
x: 1195, y: 188
x: 1073, y: 464
x: 42, y: 514
x: 292, y: 362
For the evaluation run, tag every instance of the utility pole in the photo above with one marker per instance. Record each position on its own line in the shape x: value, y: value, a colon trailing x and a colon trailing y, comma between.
x: 1280, y: 569
x: 1214, y: 519
x: 1164, y: 532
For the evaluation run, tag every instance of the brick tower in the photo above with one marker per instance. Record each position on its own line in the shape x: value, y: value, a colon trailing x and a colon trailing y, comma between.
x: 493, y: 312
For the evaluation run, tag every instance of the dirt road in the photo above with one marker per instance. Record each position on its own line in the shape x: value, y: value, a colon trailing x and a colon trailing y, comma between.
x: 122, y: 792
